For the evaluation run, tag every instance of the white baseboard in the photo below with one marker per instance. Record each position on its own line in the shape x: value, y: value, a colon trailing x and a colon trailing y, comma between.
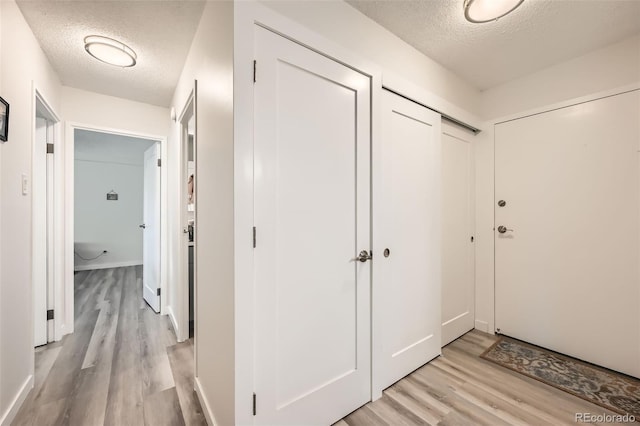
x: 89, y: 267
x: 204, y: 403
x: 456, y: 327
x: 174, y: 323
x: 14, y: 407
x: 483, y: 326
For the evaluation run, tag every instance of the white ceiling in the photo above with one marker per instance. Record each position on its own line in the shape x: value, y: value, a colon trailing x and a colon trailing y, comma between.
x: 160, y: 32
x: 538, y: 34
x: 107, y: 147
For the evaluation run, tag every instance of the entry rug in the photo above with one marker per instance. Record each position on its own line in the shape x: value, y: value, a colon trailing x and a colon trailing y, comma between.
x: 605, y: 388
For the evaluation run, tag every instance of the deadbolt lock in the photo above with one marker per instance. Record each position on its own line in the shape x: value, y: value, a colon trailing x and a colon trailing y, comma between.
x: 502, y: 203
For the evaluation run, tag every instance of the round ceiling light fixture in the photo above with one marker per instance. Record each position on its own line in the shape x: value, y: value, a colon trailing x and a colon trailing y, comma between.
x: 110, y: 51
x: 479, y: 11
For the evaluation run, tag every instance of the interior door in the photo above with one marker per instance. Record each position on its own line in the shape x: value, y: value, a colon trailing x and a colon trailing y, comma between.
x: 151, y: 228
x: 458, y: 293
x: 312, y: 218
x: 40, y: 273
x: 567, y: 231
x: 408, y: 325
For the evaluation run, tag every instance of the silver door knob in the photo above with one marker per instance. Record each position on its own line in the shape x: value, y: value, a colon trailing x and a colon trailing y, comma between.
x: 363, y: 256
x: 502, y: 229
x: 143, y: 226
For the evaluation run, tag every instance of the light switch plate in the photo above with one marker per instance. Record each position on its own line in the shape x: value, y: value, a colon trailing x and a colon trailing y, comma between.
x: 25, y: 184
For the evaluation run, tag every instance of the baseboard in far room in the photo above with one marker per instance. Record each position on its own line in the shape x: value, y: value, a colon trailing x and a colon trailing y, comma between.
x: 14, y: 407
x: 483, y: 326
x: 204, y: 403
x: 89, y: 267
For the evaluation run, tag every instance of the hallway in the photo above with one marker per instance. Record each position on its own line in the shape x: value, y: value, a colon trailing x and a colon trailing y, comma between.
x: 121, y: 366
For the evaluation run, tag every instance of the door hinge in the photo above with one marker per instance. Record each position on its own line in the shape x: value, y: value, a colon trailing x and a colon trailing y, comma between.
x: 49, y: 148
x: 254, y: 237
x: 255, y: 66
x: 159, y: 162
x: 158, y: 292
x: 254, y: 403
x: 49, y: 314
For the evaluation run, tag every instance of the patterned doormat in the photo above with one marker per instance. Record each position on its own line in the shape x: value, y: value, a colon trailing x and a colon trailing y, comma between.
x: 600, y: 386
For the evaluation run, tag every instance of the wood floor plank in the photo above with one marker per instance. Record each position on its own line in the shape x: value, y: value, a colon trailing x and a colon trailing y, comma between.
x: 163, y: 409
x: 122, y: 366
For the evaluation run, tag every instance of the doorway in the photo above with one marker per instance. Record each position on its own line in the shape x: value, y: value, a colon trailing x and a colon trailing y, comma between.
x: 111, y: 191
x: 117, y: 206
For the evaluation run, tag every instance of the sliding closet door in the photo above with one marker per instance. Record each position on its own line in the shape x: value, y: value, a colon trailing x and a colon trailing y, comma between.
x: 312, y: 218
x: 407, y: 320
x: 567, y: 231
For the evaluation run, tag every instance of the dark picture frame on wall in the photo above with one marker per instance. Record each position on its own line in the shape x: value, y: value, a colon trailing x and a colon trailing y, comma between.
x: 4, y: 120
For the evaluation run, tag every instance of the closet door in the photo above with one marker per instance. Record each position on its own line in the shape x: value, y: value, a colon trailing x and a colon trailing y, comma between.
x: 407, y: 320
x: 457, y: 227
x: 312, y: 217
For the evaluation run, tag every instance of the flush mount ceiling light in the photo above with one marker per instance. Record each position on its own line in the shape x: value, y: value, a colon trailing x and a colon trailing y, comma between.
x: 479, y: 11
x: 110, y: 51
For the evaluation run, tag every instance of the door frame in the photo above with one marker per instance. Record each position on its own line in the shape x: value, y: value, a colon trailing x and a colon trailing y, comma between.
x: 67, y: 287
x: 54, y: 216
x: 181, y: 319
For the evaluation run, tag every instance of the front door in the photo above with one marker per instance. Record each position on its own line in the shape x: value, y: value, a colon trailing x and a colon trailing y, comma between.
x: 312, y: 218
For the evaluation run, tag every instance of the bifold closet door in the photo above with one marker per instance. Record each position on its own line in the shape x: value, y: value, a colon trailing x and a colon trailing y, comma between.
x: 312, y: 217
x: 407, y: 319
x: 568, y: 228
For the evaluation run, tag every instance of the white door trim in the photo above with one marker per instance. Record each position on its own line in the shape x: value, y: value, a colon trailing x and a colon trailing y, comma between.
x: 69, y: 145
x: 54, y: 215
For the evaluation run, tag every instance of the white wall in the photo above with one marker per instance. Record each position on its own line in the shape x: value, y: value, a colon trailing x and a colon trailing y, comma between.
x: 346, y: 26
x: 210, y: 61
x: 102, y: 224
x: 80, y: 106
x: 23, y: 64
x: 607, y: 69
x: 613, y: 66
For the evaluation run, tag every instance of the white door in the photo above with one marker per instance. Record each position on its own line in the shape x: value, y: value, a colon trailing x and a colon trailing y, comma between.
x: 407, y: 323
x: 151, y: 228
x: 457, y: 230
x: 40, y: 231
x: 312, y: 218
x: 567, y: 261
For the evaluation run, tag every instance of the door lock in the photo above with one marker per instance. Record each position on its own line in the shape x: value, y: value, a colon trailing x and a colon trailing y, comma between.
x: 363, y: 256
x: 502, y: 229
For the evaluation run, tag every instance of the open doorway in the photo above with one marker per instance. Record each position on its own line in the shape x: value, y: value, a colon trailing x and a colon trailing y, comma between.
x: 117, y: 208
x: 188, y: 218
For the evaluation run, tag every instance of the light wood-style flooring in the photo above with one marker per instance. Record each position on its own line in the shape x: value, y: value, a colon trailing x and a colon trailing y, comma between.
x: 121, y: 366
x: 460, y: 388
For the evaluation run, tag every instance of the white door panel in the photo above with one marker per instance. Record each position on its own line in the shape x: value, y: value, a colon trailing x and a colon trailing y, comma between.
x: 457, y: 248
x: 567, y: 275
x: 312, y: 212
x: 409, y: 289
x: 151, y: 231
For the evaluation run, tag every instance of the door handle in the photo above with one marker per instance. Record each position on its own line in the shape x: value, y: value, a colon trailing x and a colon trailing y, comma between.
x: 502, y: 229
x: 143, y: 226
x: 363, y: 256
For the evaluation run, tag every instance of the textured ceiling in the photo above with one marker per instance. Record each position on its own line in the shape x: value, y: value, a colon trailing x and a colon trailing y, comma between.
x: 538, y: 34
x: 160, y: 32
x: 107, y: 147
